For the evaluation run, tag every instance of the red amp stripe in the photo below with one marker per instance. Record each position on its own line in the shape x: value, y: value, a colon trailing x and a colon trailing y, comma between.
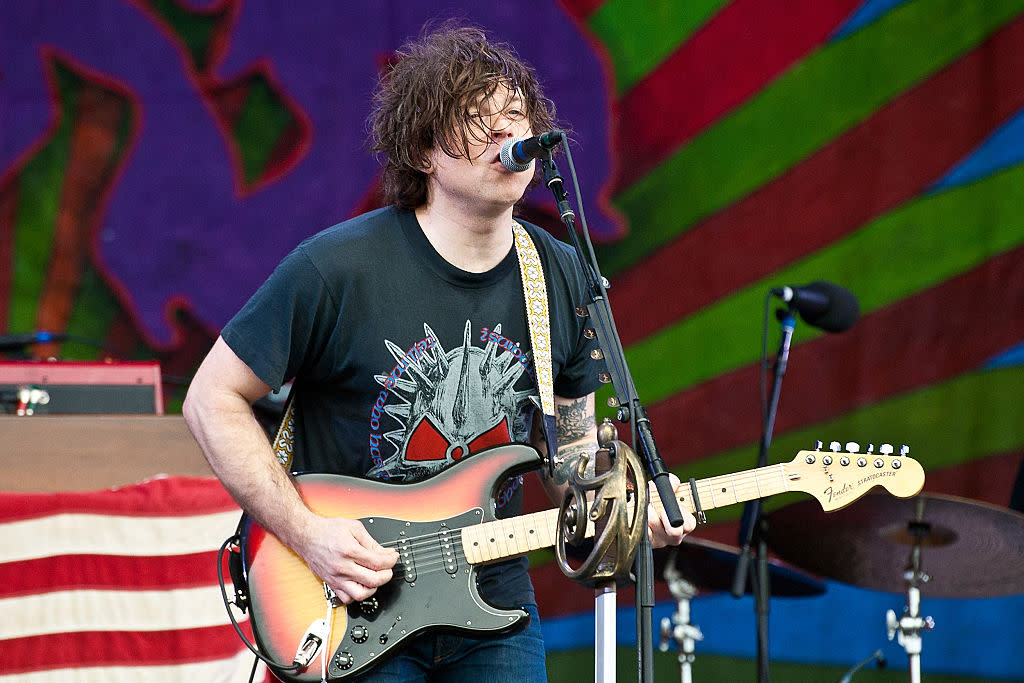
x: 745, y: 45
x: 873, y: 168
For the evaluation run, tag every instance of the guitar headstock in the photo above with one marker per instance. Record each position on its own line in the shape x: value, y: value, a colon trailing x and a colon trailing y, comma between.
x: 837, y: 477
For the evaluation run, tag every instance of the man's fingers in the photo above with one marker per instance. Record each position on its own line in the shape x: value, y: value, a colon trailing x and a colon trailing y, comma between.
x: 368, y: 552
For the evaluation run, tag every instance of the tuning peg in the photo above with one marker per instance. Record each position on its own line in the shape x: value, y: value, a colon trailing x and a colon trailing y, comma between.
x: 834, y: 447
x: 817, y: 445
x: 904, y: 449
x: 852, y: 447
x: 871, y: 448
x: 885, y: 449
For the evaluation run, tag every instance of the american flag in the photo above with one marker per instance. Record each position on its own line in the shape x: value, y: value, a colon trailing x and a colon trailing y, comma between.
x: 118, y: 585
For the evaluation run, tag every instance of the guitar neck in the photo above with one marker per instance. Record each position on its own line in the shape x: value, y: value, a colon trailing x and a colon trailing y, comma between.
x: 504, y: 538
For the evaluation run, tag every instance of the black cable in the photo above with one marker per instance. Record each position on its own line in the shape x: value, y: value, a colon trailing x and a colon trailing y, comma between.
x: 231, y: 616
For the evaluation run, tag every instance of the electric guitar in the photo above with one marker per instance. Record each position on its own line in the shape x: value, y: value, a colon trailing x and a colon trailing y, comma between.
x: 444, y: 528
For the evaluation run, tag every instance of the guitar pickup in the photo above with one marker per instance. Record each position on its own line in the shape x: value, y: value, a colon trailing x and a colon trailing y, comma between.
x: 444, y: 538
x: 408, y: 560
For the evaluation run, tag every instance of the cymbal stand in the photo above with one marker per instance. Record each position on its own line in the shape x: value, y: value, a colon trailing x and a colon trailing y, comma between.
x: 908, y: 628
x: 679, y: 627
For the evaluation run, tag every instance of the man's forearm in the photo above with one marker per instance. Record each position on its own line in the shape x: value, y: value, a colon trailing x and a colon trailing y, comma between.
x: 576, y: 435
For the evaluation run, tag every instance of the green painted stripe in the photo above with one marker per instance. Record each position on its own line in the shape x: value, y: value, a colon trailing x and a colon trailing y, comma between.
x: 40, y: 186
x: 946, y: 424
x: 638, y: 40
x: 94, y: 310
x: 260, y: 125
x: 901, y: 253
x: 195, y: 29
x: 832, y: 90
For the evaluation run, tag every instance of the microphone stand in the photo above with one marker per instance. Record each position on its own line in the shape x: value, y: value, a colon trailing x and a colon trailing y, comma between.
x: 754, y: 527
x: 629, y: 409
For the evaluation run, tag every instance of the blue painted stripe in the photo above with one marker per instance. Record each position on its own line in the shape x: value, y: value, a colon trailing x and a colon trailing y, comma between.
x: 869, y: 12
x: 1010, y: 357
x: 839, y: 628
x: 1002, y: 149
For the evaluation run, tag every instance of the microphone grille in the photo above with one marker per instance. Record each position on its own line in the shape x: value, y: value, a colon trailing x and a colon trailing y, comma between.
x: 506, y: 156
x: 843, y: 311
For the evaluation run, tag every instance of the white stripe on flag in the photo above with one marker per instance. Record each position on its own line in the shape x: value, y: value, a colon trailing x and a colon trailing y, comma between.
x: 88, y: 534
x: 233, y: 670
x: 111, y: 610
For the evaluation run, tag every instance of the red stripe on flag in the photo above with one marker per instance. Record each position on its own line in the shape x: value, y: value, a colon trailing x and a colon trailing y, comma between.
x: 729, y: 59
x: 118, y: 648
x: 164, y: 497
x: 111, y: 572
x: 871, y: 169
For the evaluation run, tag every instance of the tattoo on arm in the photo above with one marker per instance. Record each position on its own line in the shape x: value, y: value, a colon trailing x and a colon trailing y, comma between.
x: 573, y: 421
x: 568, y: 459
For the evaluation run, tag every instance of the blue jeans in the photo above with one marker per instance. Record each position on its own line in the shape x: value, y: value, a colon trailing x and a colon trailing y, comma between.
x: 517, y: 658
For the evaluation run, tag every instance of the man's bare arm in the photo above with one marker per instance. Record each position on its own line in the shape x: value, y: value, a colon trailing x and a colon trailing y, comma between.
x: 577, y: 435
x: 218, y: 410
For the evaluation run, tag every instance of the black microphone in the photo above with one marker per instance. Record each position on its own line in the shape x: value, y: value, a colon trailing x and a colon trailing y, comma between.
x: 13, y: 342
x: 822, y: 304
x: 517, y: 153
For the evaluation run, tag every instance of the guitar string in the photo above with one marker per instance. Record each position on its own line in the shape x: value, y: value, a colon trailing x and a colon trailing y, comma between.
x: 743, y: 483
x: 429, y: 555
x: 738, y: 480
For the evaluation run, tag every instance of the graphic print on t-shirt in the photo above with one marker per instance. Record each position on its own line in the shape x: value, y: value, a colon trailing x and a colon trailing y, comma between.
x: 437, y: 407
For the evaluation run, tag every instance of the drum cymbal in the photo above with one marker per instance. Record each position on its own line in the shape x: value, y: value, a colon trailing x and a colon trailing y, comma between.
x: 969, y: 549
x: 710, y: 567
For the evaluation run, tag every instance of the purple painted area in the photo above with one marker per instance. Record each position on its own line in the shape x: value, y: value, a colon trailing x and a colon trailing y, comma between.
x: 175, y: 226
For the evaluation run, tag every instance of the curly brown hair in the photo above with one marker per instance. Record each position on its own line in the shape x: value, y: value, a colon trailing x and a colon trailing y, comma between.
x: 427, y: 99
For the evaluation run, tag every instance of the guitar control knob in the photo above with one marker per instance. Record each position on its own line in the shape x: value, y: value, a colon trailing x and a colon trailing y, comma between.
x: 344, y: 660
x: 359, y: 634
x: 369, y: 607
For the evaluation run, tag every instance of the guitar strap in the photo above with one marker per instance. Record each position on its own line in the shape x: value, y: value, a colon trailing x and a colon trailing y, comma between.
x: 535, y: 295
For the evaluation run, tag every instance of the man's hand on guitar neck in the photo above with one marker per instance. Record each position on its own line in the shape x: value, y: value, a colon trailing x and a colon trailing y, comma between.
x: 342, y: 554
x: 662, y: 533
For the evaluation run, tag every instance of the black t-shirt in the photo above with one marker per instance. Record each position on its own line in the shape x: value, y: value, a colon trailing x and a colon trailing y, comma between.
x: 405, y: 364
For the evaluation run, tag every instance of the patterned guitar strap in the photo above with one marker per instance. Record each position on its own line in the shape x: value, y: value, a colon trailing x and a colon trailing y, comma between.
x: 535, y: 295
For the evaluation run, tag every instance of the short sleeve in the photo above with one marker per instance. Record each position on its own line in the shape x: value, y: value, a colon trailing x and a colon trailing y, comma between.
x: 286, y: 325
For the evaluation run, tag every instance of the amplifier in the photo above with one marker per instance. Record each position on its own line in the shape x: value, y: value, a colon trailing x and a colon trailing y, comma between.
x: 80, y: 387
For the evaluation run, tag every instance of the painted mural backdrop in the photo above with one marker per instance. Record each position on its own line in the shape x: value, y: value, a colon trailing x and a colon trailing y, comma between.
x: 158, y: 157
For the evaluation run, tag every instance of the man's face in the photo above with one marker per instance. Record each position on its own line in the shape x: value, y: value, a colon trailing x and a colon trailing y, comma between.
x: 478, y: 176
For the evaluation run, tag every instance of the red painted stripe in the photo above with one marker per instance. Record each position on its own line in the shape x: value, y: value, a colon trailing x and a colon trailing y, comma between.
x: 871, y: 169
x: 900, y: 354
x: 733, y: 56
x: 580, y: 9
x: 108, y: 572
x: 165, y: 497
x: 118, y: 648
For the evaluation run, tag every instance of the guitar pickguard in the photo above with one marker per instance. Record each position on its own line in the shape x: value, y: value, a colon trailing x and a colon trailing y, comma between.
x: 431, y: 581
